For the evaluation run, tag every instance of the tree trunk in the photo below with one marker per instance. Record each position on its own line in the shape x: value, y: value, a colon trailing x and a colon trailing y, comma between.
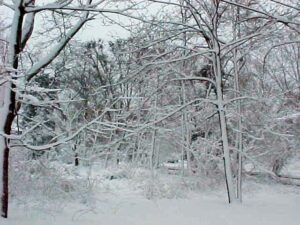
x: 8, y: 104
x: 76, y: 163
x: 217, y: 69
x: 19, y: 35
x: 8, y: 101
x: 226, y: 155
x: 4, y: 198
x: 239, y: 136
x: 7, y: 116
x: 223, y: 124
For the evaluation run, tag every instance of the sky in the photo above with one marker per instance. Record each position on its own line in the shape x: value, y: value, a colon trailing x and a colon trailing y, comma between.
x: 93, y: 29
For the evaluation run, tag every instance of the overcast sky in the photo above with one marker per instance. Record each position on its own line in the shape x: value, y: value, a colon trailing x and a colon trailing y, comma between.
x: 93, y: 29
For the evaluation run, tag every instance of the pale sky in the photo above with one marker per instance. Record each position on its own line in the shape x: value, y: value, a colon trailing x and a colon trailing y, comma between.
x: 93, y: 29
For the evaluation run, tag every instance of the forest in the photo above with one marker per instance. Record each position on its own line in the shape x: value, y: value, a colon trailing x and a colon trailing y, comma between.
x: 195, y: 106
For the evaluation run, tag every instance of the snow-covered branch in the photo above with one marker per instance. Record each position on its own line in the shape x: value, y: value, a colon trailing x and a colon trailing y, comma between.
x: 57, y: 49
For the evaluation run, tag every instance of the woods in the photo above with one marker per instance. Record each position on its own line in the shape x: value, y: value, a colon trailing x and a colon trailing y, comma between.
x: 203, y: 89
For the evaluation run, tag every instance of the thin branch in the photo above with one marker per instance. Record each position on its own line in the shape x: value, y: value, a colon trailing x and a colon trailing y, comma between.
x: 37, y: 67
x: 286, y: 5
x: 277, y: 18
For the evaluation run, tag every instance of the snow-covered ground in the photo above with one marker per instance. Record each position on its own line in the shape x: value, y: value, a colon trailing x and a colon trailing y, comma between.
x: 122, y: 201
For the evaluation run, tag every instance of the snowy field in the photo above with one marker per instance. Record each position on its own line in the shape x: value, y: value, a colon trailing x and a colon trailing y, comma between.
x: 123, y: 201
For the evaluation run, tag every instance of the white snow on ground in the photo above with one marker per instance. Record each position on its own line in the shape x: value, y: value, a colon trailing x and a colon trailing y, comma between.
x: 121, y: 201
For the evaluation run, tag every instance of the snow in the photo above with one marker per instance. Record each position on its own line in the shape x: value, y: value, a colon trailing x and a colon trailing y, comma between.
x: 176, y: 165
x: 30, y: 98
x: 249, y: 167
x: 121, y: 201
x: 292, y: 168
x: 290, y: 116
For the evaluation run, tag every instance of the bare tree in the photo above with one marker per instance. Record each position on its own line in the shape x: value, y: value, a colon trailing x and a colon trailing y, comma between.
x: 22, y: 25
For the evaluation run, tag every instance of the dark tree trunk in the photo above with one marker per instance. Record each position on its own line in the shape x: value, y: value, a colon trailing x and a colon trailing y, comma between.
x: 76, y: 159
x: 5, y: 183
x: 13, y: 59
x: 7, y: 130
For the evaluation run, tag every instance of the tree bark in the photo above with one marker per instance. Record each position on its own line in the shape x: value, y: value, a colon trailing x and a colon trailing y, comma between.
x: 19, y: 35
x: 8, y: 101
x: 76, y: 163
x: 222, y: 118
x: 5, y: 193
